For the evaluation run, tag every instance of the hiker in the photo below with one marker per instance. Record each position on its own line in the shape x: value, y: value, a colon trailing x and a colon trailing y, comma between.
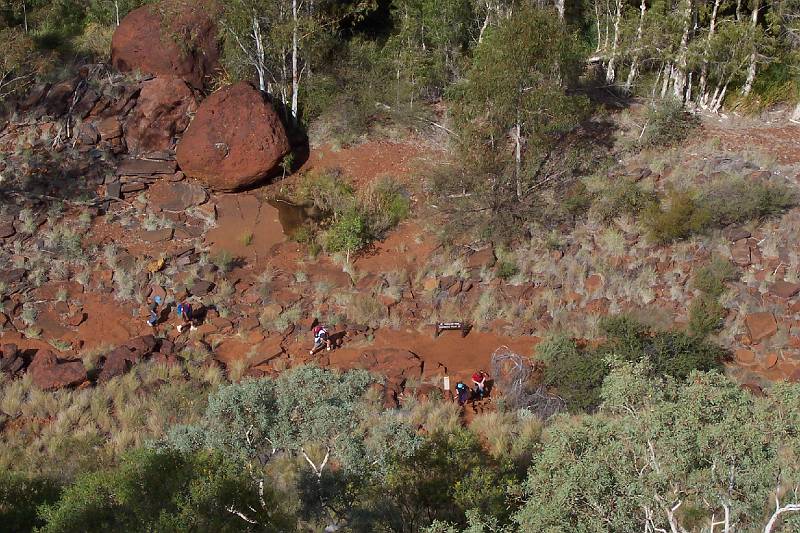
x: 479, y: 379
x: 320, y: 337
x: 184, y: 311
x: 463, y: 393
x: 154, y: 308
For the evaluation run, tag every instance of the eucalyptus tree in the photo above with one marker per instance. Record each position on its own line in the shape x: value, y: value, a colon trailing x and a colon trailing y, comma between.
x: 666, y: 456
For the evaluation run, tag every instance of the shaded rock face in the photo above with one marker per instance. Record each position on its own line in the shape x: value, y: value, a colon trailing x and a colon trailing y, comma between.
x: 163, y: 110
x: 235, y: 140
x: 173, y: 37
x: 50, y: 373
x: 121, y: 359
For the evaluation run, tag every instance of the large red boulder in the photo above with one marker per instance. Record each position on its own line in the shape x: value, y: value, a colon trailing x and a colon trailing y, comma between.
x: 171, y: 37
x: 50, y: 373
x: 164, y: 108
x: 235, y: 140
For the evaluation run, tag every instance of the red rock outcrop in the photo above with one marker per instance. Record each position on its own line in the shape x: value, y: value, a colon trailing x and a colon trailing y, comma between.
x: 163, y: 110
x: 49, y: 373
x: 172, y: 37
x: 235, y: 140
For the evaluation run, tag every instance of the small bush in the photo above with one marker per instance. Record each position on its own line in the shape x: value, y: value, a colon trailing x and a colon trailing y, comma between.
x: 622, y: 198
x: 507, y: 269
x: 576, y: 374
x: 386, y: 203
x: 366, y: 310
x: 347, y: 234
x: 706, y: 315
x: 668, y: 124
x: 710, y: 279
x: 327, y: 191
x: 223, y: 260
x: 737, y: 200
x: 682, y: 217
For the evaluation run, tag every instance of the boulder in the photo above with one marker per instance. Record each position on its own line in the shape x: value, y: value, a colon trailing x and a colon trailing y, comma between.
x: 50, y: 373
x: 760, y: 326
x: 235, y: 140
x: 143, y: 346
x: 171, y: 37
x: 163, y: 110
x: 176, y: 197
x: 117, y: 362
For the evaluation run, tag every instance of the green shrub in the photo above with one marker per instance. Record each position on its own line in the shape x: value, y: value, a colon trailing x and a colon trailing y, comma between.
x: 668, y: 124
x: 682, y: 217
x: 710, y: 279
x: 507, y: 269
x: 706, y: 315
x: 347, y: 234
x: 577, y: 373
x: 622, y: 198
x: 735, y: 200
x: 386, y: 203
x: 20, y: 496
x: 326, y: 191
x: 677, y: 354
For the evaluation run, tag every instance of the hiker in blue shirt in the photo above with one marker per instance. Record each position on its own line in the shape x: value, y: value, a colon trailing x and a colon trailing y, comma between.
x: 154, y: 314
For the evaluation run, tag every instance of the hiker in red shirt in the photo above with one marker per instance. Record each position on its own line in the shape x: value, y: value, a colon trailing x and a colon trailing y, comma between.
x: 479, y: 379
x: 320, y: 337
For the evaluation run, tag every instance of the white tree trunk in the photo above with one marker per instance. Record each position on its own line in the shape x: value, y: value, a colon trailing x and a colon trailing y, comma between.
x: 668, y: 72
x: 485, y: 22
x: 751, y: 69
x: 259, y: 59
x: 560, y: 7
x: 611, y: 68
x: 635, y: 65
x: 295, y: 72
x: 791, y: 508
x: 703, y: 95
x: 597, y: 22
x: 518, y: 158
x: 680, y: 74
x: 116, y: 10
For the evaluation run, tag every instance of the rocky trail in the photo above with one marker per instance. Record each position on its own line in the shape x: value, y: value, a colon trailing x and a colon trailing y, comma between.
x: 122, y: 187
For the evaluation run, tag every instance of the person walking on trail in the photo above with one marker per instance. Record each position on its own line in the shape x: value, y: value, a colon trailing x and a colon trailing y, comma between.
x: 184, y: 311
x: 154, y: 308
x: 320, y: 337
x: 479, y: 379
x: 462, y: 392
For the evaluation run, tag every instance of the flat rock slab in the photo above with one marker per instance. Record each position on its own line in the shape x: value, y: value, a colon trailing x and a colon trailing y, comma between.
x: 761, y: 326
x: 158, y: 235
x: 784, y: 289
x: 176, y: 197
x: 247, y: 227
x: 135, y: 186
x: 201, y: 287
x: 145, y: 167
